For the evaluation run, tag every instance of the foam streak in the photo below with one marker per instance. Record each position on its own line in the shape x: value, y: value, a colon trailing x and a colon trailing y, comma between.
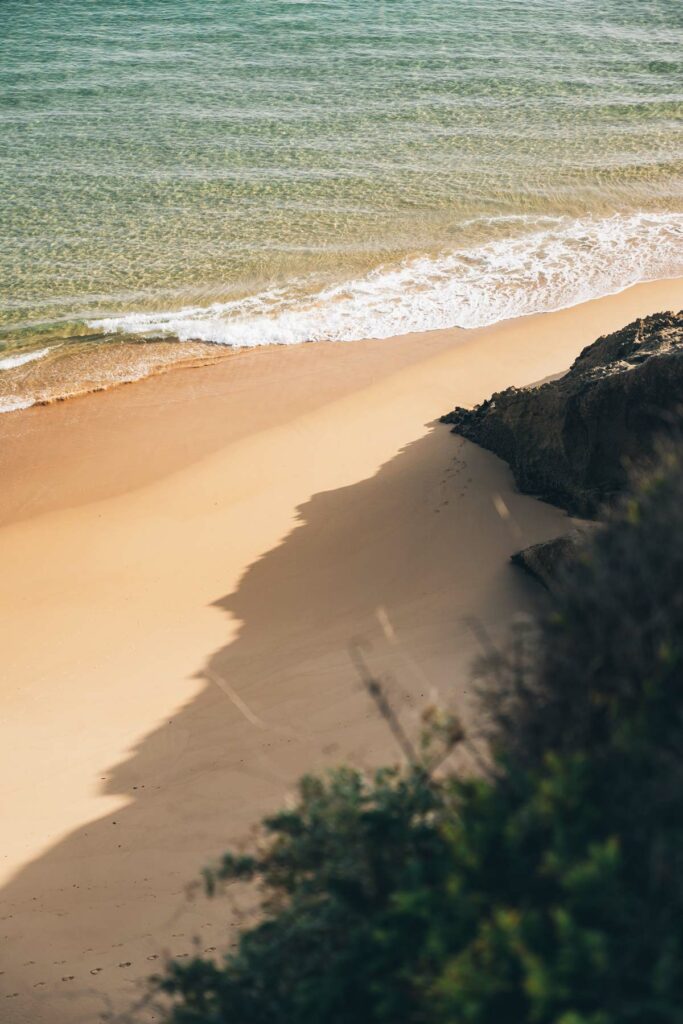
x: 560, y: 264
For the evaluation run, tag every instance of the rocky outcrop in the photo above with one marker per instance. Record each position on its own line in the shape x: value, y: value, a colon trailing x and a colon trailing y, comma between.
x: 548, y: 560
x: 571, y: 441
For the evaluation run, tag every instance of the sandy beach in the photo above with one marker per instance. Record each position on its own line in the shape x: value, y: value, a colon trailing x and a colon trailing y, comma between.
x: 186, y: 562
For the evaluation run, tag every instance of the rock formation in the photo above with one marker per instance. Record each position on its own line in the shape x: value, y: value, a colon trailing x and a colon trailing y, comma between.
x: 571, y: 441
x: 547, y: 561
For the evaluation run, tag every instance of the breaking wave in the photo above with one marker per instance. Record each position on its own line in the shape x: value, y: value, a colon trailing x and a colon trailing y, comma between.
x: 560, y: 263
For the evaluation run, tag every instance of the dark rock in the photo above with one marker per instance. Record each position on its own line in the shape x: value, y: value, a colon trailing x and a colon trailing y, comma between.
x: 549, y: 559
x: 571, y: 441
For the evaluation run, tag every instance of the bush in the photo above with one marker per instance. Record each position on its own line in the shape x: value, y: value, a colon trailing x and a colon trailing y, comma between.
x: 548, y: 889
x: 609, y: 658
x: 345, y: 877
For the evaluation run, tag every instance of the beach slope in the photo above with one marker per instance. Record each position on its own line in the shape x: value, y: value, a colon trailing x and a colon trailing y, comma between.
x: 186, y: 564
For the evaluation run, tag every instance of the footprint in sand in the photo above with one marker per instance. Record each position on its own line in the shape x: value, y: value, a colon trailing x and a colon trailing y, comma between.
x: 12, y: 995
x: 96, y: 970
x: 68, y: 977
x: 154, y: 956
x: 126, y: 964
x: 210, y: 949
x: 39, y: 984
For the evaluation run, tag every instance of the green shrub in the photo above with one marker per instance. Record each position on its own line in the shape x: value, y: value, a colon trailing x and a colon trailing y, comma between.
x: 346, y: 877
x: 548, y: 890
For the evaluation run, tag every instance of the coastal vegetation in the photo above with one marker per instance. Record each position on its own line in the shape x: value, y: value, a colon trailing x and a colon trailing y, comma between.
x: 545, y: 886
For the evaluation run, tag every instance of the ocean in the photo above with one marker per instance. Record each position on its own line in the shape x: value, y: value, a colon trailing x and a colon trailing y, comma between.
x: 180, y: 178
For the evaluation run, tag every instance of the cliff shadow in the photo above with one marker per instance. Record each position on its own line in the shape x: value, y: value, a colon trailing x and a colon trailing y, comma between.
x: 399, y: 561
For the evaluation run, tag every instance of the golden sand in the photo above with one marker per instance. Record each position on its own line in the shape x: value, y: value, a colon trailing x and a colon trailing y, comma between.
x: 185, y: 563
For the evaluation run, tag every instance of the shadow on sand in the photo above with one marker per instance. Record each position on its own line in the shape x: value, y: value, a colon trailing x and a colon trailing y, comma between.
x: 399, y: 560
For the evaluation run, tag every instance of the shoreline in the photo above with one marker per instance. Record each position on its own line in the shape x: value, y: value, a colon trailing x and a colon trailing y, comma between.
x: 230, y: 375
x: 185, y: 563
x: 215, y: 352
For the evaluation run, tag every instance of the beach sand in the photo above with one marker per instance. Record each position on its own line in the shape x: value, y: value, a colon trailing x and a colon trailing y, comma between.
x: 186, y: 562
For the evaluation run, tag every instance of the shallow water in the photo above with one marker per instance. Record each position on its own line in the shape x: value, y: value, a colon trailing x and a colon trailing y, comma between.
x: 260, y: 171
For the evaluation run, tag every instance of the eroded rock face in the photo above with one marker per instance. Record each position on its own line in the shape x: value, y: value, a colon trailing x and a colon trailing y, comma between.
x: 570, y: 441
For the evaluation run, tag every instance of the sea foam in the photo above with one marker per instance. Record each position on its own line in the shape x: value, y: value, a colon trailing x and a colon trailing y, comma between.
x: 11, y: 362
x: 561, y: 262
x: 12, y: 403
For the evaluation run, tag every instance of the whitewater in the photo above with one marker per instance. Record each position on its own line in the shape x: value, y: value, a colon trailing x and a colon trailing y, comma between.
x: 560, y: 263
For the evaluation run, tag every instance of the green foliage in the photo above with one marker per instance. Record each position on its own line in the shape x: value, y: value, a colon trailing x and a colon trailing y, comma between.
x: 331, y: 875
x: 547, y: 891
x: 610, y: 659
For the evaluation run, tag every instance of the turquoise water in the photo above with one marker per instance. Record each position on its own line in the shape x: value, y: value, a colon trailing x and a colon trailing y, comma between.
x: 255, y: 171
